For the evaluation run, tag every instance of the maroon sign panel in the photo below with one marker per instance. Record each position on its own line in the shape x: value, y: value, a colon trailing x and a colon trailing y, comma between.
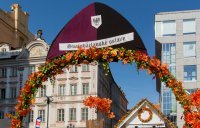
x: 96, y: 25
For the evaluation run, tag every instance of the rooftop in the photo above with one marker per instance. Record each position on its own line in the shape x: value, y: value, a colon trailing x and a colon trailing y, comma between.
x: 174, y: 12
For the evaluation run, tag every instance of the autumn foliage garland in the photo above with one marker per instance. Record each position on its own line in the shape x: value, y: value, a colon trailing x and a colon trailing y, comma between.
x: 106, y: 55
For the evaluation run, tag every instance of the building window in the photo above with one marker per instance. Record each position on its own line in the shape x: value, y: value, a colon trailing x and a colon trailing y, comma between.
x: 1, y: 115
x: 61, y: 89
x: 165, y: 28
x: 169, y: 56
x: 169, y: 104
x: 72, y: 114
x: 31, y: 116
x: 189, y: 26
x: 31, y: 69
x: 189, y: 49
x: 60, y: 115
x: 43, y: 91
x: 41, y: 113
x: 73, y: 89
x: 70, y: 126
x: 84, y: 114
x: 191, y: 90
x: 85, y: 88
x: 73, y: 69
x: 85, y: 67
x: 3, y: 93
x: 3, y: 72
x: 13, y: 92
x: 190, y: 73
x: 169, y: 28
x: 13, y: 71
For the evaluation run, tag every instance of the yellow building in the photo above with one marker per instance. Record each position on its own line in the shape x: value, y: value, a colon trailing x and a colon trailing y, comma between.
x: 14, y: 27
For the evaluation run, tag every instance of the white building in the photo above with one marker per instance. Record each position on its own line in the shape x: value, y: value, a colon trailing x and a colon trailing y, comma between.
x: 68, y: 91
x: 15, y: 66
x: 177, y: 36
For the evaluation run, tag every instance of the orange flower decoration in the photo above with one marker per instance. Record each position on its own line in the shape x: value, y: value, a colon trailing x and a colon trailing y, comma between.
x: 143, y: 61
x: 114, y: 52
x: 69, y: 56
x: 195, y: 98
x: 102, y: 105
x: 189, y: 118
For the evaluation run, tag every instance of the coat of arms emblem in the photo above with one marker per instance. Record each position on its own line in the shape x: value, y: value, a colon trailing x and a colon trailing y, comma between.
x: 96, y: 21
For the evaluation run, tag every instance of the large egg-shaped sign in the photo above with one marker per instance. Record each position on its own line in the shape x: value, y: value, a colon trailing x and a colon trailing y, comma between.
x: 96, y: 25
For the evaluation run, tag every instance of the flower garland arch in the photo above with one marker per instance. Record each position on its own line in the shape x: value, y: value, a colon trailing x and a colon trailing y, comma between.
x: 191, y: 104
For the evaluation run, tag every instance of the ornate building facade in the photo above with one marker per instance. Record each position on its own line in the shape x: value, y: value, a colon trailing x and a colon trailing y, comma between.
x: 15, y: 66
x: 14, y: 34
x: 67, y: 93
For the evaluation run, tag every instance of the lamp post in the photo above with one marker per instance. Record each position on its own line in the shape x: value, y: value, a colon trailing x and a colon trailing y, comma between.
x: 49, y: 100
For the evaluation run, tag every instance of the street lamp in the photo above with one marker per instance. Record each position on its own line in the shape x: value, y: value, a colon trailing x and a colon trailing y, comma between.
x: 49, y: 100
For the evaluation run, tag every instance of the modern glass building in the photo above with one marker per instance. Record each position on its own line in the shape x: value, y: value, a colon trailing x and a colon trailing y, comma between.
x: 177, y: 39
x: 168, y: 98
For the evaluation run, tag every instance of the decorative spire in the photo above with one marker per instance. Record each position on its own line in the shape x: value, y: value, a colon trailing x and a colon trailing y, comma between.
x: 39, y: 35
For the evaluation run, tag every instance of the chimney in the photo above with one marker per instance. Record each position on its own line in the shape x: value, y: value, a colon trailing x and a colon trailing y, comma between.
x: 16, y: 8
x: 20, y: 17
x: 20, y: 24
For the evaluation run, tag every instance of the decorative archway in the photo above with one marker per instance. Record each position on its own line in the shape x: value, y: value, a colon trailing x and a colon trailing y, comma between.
x: 191, y: 104
x: 126, y: 49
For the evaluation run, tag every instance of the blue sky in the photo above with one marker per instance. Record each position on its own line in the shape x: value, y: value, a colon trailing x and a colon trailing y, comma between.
x: 52, y: 15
